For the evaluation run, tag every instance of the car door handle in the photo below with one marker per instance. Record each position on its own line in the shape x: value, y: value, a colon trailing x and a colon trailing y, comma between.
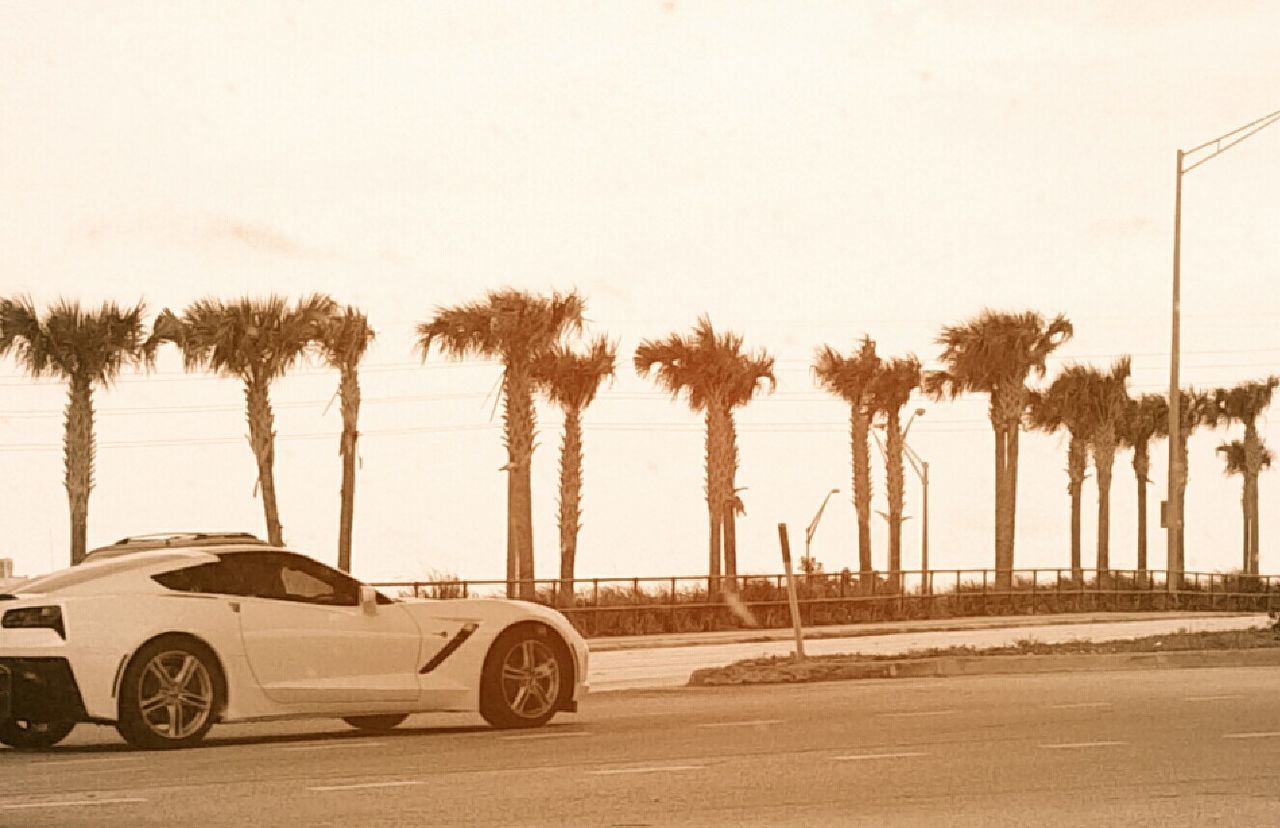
x: 235, y: 605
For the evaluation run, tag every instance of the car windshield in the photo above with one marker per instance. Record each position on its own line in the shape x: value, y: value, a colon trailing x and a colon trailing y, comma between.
x: 76, y: 575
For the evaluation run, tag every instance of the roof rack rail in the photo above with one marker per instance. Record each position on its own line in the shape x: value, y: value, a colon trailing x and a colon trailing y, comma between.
x: 166, y: 540
x: 163, y: 539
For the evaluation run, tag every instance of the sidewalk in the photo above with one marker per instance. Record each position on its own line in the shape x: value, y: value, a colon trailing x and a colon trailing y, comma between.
x: 750, y: 636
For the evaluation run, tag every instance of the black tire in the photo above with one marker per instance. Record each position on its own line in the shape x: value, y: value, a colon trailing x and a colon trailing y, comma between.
x: 526, y: 675
x: 172, y: 693
x: 27, y: 735
x: 377, y: 724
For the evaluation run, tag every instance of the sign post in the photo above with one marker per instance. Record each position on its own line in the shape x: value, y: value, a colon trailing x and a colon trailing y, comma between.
x: 791, y: 590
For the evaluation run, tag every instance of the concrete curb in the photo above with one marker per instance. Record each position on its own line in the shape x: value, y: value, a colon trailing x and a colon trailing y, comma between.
x: 946, y: 666
x: 755, y: 636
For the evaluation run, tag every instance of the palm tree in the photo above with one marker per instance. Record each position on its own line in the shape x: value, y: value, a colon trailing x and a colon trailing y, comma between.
x: 1244, y: 404
x: 255, y: 340
x: 890, y: 391
x: 1196, y: 409
x: 1146, y: 418
x: 1107, y: 398
x: 1240, y: 460
x: 343, y: 339
x: 515, y: 327
x: 1062, y: 405
x: 571, y: 380
x: 994, y: 353
x: 716, y: 377
x: 85, y: 348
x: 850, y: 378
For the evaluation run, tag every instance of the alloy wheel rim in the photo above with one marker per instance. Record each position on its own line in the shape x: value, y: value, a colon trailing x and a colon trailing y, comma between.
x: 175, y: 695
x: 530, y: 679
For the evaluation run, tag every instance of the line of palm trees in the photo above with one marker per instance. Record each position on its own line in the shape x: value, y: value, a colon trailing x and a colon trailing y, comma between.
x: 537, y: 339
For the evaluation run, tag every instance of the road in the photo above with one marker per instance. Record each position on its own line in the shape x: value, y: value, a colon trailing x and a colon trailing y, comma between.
x: 1134, y: 748
x: 671, y: 666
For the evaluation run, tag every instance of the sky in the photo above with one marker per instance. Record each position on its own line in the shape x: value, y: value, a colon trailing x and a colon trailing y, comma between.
x: 803, y: 173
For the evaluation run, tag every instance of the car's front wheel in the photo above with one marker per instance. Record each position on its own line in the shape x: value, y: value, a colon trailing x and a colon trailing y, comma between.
x: 524, y: 674
x: 170, y: 694
x: 377, y: 724
x: 29, y: 735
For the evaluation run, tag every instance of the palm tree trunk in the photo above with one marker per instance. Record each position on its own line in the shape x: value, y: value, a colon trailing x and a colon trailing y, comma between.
x: 513, y: 561
x: 727, y: 504
x: 998, y: 504
x: 349, y: 391
x: 1253, y: 461
x: 1005, y: 450
x: 518, y: 394
x: 570, y: 500
x: 1141, y: 468
x: 78, y: 448
x: 1255, y: 532
x: 1244, y: 525
x: 1077, y: 464
x: 858, y: 435
x: 1011, y: 505
x: 1104, y: 455
x: 713, y: 510
x: 262, y: 440
x: 896, y: 496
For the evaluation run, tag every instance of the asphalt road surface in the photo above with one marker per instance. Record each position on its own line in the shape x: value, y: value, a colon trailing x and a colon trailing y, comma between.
x: 1183, y: 747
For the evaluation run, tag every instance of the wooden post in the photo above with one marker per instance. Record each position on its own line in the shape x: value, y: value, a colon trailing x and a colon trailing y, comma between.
x: 791, y: 590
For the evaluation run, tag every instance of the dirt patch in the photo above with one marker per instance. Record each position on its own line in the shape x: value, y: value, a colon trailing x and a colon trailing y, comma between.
x: 783, y: 669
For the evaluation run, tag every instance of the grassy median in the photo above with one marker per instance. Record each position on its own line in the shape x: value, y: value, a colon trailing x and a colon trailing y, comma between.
x: 783, y: 669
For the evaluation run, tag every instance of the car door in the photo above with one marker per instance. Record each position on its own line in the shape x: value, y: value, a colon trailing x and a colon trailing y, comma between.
x: 308, y: 640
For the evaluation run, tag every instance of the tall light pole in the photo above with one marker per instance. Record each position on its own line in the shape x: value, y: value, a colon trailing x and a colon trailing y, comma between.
x: 813, y: 524
x: 1173, y: 507
x: 921, y: 468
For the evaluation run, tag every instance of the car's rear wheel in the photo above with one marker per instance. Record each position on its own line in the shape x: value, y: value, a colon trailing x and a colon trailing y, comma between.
x: 525, y: 673
x: 24, y: 734
x: 378, y: 724
x: 170, y: 695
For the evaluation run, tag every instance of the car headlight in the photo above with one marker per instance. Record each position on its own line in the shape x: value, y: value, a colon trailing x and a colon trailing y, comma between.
x: 35, y: 617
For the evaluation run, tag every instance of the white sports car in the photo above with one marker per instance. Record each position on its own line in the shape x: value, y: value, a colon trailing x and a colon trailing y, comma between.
x: 164, y: 636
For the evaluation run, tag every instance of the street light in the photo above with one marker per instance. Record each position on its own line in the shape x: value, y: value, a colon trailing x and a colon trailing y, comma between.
x: 813, y: 524
x: 1173, y: 510
x: 921, y: 467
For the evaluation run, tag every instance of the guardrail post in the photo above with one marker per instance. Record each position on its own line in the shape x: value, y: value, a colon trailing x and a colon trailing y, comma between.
x: 595, y: 592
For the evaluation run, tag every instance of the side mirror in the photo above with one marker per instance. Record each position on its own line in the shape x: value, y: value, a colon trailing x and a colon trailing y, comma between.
x: 368, y: 599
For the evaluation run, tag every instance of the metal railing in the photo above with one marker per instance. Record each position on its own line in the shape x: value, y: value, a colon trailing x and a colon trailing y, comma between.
x: 645, y: 605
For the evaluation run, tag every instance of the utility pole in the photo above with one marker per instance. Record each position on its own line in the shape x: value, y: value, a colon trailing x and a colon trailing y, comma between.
x: 1175, y: 562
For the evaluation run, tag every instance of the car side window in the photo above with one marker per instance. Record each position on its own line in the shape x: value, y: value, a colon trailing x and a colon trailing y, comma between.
x: 207, y: 579
x: 254, y: 575
x: 313, y: 583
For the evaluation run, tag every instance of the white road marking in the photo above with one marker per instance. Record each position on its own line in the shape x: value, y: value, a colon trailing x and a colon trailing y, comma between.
x: 1079, y: 705
x: 858, y: 756
x: 749, y: 723
x: 73, y: 803
x: 1072, y: 745
x: 366, y: 785
x: 544, y: 736
x: 918, y: 713
x: 661, y: 769
x: 102, y: 761
x: 1261, y: 734
x: 333, y: 746
x: 1223, y: 697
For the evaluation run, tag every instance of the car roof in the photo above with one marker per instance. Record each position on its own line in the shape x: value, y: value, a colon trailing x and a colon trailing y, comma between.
x: 177, y: 541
